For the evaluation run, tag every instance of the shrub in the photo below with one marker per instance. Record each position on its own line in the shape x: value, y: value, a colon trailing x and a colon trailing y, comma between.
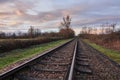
x: 11, y: 44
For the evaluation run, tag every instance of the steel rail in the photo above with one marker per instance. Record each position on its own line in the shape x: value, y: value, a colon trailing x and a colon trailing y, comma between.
x: 71, y: 72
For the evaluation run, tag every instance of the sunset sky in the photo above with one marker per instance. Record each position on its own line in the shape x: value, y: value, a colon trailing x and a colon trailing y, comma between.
x: 47, y: 14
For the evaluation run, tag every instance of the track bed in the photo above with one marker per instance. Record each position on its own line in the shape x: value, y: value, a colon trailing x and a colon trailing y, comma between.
x: 93, y: 65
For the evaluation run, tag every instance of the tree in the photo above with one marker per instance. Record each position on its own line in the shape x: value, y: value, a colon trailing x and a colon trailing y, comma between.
x: 84, y: 30
x: 66, y: 31
x: 37, y: 32
x: 2, y: 34
x: 31, y: 32
x: 89, y: 30
x: 13, y: 35
x: 113, y: 26
x: 66, y: 22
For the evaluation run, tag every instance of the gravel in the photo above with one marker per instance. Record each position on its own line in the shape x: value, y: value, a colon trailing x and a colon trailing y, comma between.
x: 42, y: 70
x: 102, y: 67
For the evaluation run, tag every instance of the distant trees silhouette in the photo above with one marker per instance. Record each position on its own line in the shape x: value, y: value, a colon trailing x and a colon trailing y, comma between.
x: 33, y: 32
x: 109, y: 37
x: 65, y: 30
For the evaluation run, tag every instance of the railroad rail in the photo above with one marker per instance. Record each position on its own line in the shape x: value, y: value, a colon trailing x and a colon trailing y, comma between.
x: 80, y: 67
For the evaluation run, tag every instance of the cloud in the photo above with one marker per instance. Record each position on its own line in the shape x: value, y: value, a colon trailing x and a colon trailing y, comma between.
x: 19, y: 12
x: 43, y: 17
x: 92, y: 21
x: 4, y: 1
x: 49, y: 13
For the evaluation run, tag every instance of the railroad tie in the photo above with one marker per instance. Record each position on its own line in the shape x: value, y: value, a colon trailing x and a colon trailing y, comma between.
x: 82, y: 59
x: 82, y: 63
x: 83, y: 69
x: 60, y: 64
x: 21, y: 77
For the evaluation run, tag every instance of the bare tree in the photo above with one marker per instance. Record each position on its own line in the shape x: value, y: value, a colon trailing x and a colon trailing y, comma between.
x: 37, y: 32
x: 2, y: 34
x: 66, y: 22
x: 113, y: 26
x: 31, y: 32
x: 66, y: 31
x: 89, y: 30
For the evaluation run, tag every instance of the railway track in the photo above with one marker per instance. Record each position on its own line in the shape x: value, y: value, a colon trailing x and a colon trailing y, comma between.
x: 89, y: 64
x: 53, y: 65
x: 74, y: 60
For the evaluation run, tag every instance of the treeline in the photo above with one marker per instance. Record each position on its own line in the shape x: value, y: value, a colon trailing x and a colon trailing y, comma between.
x: 31, y: 33
x: 34, y: 37
x: 109, y: 37
x: 64, y: 32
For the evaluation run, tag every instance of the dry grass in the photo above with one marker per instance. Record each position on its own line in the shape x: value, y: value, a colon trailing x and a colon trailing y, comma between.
x: 22, y: 54
x: 10, y: 44
x: 114, y: 55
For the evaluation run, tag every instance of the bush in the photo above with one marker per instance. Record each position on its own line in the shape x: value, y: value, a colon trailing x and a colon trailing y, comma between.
x: 11, y: 44
x: 67, y: 33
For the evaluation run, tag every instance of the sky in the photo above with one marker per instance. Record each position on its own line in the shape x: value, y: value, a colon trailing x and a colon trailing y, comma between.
x: 47, y: 14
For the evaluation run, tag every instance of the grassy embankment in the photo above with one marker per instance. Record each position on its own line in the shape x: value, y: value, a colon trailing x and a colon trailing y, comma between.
x: 21, y: 54
x: 112, y: 54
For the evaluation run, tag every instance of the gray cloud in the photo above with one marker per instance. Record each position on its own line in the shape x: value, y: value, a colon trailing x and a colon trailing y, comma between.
x: 4, y: 1
x: 82, y: 12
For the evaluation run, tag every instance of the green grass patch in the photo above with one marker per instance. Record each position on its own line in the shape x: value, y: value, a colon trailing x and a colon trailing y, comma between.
x: 114, y: 55
x: 21, y: 54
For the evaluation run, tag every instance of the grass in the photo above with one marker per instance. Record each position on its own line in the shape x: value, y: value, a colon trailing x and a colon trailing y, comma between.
x: 21, y: 54
x: 112, y: 54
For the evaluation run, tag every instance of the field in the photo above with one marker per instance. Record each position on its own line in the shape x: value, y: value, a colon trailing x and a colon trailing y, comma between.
x: 110, y: 41
x: 113, y: 54
x: 22, y: 54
